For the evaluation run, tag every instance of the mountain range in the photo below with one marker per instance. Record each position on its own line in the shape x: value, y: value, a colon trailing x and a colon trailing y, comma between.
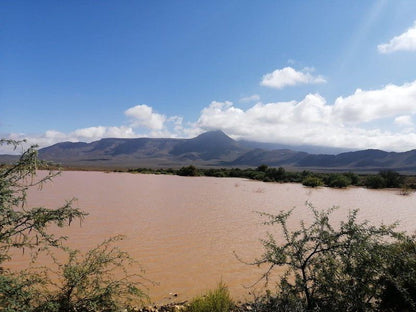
x: 214, y: 149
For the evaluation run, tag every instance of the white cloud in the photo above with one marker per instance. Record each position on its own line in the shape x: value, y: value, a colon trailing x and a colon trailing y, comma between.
x: 288, y: 76
x: 315, y: 122
x: 251, y: 98
x: 403, y: 42
x: 365, y: 106
x: 51, y: 137
x: 353, y: 121
x: 95, y: 133
x: 404, y: 121
x: 143, y: 116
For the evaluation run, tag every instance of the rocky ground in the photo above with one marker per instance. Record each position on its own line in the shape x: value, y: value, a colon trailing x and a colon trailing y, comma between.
x: 182, y: 306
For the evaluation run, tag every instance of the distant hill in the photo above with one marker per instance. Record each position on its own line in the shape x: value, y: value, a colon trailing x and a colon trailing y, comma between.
x: 210, y: 148
x: 215, y: 149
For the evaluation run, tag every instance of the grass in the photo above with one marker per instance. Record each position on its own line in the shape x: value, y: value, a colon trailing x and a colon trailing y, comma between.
x: 217, y: 300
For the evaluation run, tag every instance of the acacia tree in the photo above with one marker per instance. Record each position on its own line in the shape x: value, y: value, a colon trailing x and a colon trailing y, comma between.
x: 99, y: 280
x: 25, y: 227
x: 350, y: 267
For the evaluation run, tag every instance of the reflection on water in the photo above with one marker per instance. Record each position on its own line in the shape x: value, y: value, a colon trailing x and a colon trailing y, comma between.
x: 184, y: 230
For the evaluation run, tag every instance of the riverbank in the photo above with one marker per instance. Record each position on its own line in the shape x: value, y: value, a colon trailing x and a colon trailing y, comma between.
x: 381, y: 180
x: 183, y: 306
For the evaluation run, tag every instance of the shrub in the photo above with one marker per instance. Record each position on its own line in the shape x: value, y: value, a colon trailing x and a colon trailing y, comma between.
x: 97, y: 281
x: 312, y: 181
x: 84, y: 283
x: 391, y: 178
x: 262, y: 168
x: 375, y: 182
x: 352, y: 267
x: 217, y: 300
x: 338, y: 180
x: 189, y: 171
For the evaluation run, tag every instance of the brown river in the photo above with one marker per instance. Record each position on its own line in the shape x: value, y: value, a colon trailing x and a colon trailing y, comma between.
x: 184, y: 230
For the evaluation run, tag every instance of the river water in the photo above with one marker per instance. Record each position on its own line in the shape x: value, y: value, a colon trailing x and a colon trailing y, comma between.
x: 185, y: 231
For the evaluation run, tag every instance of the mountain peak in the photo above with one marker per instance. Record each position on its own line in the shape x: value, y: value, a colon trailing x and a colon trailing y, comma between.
x: 213, y: 133
x: 214, y: 136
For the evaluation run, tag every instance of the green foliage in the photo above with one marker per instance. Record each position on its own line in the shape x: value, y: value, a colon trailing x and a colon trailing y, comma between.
x: 338, y: 180
x: 217, y: 300
x: 262, y: 168
x: 265, y: 173
x: 391, y: 178
x: 375, y: 182
x: 351, y: 267
x: 355, y: 179
x: 312, y: 181
x: 23, y: 227
x: 97, y: 282
x: 399, y: 294
x: 384, y: 179
x: 190, y: 171
x: 20, y: 291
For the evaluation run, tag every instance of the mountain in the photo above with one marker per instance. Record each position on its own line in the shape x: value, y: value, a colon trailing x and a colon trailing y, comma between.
x: 216, y: 149
x: 311, y: 149
x: 365, y: 161
x: 210, y: 148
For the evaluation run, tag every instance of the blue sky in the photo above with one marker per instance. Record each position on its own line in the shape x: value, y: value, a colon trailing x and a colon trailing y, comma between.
x: 327, y: 73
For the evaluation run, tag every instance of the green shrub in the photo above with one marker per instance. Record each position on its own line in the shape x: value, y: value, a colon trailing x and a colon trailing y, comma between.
x: 391, y: 178
x: 189, y: 171
x: 375, y: 182
x: 99, y: 281
x: 354, y: 266
x: 312, y: 181
x: 217, y: 300
x: 338, y: 180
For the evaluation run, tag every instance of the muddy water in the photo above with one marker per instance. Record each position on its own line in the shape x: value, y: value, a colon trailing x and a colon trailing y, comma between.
x: 184, y: 230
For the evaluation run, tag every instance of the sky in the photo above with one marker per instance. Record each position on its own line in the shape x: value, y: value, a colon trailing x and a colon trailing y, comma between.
x: 324, y: 73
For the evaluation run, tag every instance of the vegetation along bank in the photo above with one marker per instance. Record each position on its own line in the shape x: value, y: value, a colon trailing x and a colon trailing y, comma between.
x: 383, y: 179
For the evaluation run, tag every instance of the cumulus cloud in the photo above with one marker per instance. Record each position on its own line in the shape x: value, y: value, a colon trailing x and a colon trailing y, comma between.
x: 356, y: 121
x: 143, y: 116
x: 51, y: 137
x: 403, y: 42
x: 313, y: 121
x: 288, y: 76
x: 365, y: 106
x: 156, y: 125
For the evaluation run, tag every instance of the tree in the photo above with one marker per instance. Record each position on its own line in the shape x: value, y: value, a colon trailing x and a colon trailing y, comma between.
x: 99, y: 280
x: 23, y: 227
x: 343, y: 268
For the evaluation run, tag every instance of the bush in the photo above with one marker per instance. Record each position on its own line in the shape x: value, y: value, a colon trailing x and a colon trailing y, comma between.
x: 375, y: 182
x: 83, y: 283
x: 391, y: 178
x: 98, y: 281
x: 351, y: 267
x: 338, y: 180
x: 217, y: 300
x: 312, y: 181
x: 189, y: 171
